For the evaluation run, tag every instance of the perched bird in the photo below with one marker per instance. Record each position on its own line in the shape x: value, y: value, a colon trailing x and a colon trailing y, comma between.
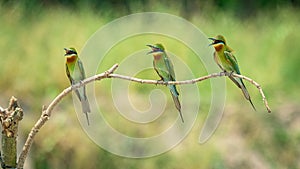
x: 165, y: 70
x: 75, y: 73
x: 227, y: 62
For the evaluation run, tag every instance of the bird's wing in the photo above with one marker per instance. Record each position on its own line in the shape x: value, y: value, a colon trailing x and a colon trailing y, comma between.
x: 82, y: 76
x: 238, y: 81
x: 233, y: 62
x: 72, y: 81
x: 81, y: 69
x: 170, y: 67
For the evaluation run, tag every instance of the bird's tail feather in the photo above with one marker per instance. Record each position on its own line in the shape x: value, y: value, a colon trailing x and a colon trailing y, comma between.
x: 252, y: 104
x: 240, y: 84
x: 175, y: 95
x: 86, y: 108
x: 235, y: 81
x: 173, y: 90
x: 246, y: 94
x: 245, y: 91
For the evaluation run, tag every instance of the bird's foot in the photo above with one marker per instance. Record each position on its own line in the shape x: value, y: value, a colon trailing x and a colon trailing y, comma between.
x: 230, y: 74
x: 80, y: 82
x: 225, y: 72
x: 73, y: 87
x: 160, y: 81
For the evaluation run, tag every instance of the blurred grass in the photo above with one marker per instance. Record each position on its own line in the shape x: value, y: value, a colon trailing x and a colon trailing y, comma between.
x: 266, y: 46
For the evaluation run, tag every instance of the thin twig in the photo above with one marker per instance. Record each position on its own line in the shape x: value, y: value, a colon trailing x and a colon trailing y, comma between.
x: 47, y: 111
x: 259, y: 89
x: 192, y: 81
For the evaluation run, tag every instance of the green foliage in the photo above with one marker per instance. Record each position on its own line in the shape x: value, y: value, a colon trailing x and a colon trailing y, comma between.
x: 187, y: 8
x: 33, y: 36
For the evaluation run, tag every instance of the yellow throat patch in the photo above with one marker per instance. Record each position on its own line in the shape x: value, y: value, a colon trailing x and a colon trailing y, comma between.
x: 71, y: 59
x: 218, y: 47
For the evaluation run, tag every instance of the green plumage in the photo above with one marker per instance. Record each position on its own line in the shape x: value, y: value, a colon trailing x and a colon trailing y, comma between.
x: 165, y: 70
x: 228, y: 63
x: 75, y: 73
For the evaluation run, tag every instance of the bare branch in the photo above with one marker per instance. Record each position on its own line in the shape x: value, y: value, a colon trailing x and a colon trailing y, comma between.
x: 192, y: 81
x: 259, y: 89
x: 47, y: 111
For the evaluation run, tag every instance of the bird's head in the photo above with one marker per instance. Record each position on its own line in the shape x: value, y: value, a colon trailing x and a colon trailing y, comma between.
x: 219, y: 39
x: 218, y: 42
x: 157, y: 48
x: 70, y: 51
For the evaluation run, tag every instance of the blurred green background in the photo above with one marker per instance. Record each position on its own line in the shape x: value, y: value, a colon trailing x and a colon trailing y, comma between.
x: 265, y: 37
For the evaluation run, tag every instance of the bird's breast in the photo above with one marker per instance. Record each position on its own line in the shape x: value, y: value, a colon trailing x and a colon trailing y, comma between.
x: 71, y: 59
x: 218, y: 47
x: 157, y: 56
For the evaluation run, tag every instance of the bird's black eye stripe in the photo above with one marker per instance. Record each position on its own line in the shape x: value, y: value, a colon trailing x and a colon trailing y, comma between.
x: 218, y: 41
x: 154, y: 48
x: 158, y: 49
x: 72, y: 52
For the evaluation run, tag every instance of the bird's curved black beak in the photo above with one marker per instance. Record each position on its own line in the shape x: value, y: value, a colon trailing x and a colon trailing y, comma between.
x: 150, y: 46
x: 66, y: 49
x: 213, y: 39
